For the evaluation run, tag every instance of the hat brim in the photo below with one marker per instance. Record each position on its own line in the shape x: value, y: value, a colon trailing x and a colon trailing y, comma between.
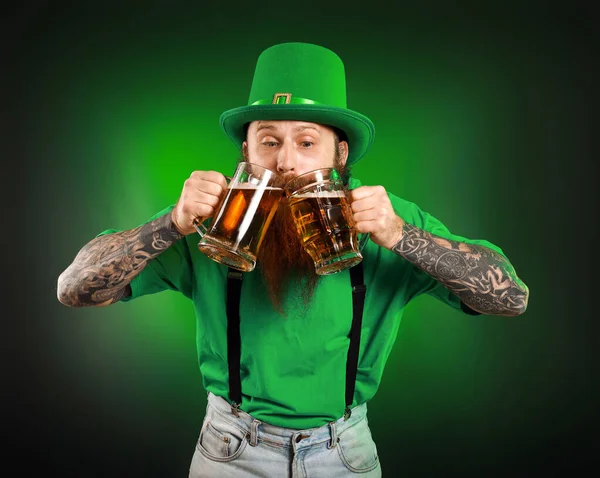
x: 359, y: 129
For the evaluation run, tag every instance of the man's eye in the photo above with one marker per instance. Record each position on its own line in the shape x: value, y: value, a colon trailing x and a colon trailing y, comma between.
x: 270, y: 144
x: 307, y: 144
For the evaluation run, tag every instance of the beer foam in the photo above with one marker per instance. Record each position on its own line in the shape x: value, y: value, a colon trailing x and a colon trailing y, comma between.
x: 253, y: 187
x: 323, y: 194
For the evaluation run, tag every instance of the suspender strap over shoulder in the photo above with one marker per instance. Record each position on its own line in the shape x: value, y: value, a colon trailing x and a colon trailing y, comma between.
x: 359, y: 291
x: 234, y: 289
x: 234, y: 344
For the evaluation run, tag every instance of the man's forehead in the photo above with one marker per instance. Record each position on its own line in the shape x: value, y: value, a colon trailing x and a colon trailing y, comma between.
x: 280, y: 125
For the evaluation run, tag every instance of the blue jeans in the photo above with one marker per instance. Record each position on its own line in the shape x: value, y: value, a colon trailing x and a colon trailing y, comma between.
x: 239, y: 447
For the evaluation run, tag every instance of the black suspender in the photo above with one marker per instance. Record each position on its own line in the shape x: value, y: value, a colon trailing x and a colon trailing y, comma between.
x: 359, y: 290
x: 234, y: 344
x: 234, y: 289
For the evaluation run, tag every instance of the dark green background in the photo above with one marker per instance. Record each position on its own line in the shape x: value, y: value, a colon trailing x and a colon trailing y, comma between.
x: 484, y: 118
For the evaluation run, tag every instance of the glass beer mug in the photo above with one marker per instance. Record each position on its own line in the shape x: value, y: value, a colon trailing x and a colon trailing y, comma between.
x: 324, y: 220
x: 237, y: 228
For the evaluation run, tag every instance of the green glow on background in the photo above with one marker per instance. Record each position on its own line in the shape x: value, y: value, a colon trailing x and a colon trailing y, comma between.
x: 120, y: 106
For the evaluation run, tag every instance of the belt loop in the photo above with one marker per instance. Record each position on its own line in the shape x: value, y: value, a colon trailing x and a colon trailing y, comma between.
x: 333, y: 442
x: 254, y: 433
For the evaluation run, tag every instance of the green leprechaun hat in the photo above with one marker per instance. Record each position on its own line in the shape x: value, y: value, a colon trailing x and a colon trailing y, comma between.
x: 302, y: 82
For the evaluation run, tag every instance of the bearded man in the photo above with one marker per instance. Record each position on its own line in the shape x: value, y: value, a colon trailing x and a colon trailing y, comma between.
x: 290, y: 359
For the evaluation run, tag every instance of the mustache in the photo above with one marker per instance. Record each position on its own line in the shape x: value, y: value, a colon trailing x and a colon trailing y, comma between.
x: 287, y: 177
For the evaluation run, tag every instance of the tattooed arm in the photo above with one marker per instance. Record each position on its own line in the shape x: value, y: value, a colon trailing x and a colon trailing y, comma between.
x: 481, y: 278
x: 103, y: 269
x: 484, y: 280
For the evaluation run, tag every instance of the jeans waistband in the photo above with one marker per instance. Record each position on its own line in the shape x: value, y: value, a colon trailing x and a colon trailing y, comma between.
x: 256, y: 429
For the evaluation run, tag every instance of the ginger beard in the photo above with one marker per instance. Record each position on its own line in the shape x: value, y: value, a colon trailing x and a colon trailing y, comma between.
x: 281, y: 258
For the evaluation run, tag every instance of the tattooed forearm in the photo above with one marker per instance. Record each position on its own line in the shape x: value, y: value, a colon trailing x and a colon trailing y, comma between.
x: 105, y: 266
x: 483, y: 279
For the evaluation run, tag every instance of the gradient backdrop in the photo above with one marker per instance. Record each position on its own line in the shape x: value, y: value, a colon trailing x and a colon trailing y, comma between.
x: 483, y: 118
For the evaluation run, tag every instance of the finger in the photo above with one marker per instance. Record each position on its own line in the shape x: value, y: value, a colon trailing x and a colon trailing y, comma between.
x: 211, y: 176
x: 359, y: 193
x: 211, y: 187
x: 200, y: 211
x: 195, y: 205
x: 195, y: 183
x: 204, y: 198
x: 363, y: 204
x: 368, y: 215
x: 365, y: 191
x: 368, y: 226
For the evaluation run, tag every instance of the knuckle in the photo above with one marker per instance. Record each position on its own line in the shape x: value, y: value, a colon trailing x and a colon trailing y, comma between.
x: 215, y: 190
x: 355, y: 194
x: 207, y: 210
x: 212, y: 200
x: 214, y: 176
x: 186, y: 207
x: 217, y: 182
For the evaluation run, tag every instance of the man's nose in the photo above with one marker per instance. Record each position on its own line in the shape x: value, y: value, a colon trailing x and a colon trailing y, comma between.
x: 286, y: 159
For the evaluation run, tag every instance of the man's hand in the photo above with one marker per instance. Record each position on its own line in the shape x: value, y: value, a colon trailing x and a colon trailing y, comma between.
x: 202, y: 192
x: 373, y: 213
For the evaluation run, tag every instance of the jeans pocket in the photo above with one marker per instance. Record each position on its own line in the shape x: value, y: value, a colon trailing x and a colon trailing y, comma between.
x: 357, y: 449
x: 221, y: 440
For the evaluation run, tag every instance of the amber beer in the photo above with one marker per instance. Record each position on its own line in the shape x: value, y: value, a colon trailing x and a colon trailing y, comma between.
x: 326, y: 229
x: 238, y: 227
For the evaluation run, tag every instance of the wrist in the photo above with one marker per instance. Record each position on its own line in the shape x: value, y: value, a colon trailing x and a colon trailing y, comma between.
x: 391, y: 235
x: 172, y: 226
x: 397, y: 232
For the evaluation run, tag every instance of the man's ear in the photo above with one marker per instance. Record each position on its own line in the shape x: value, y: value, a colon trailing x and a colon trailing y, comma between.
x: 343, y: 148
x: 245, y: 150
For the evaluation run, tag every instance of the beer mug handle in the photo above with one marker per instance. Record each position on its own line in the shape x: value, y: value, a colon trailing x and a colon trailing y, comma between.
x: 363, y: 241
x: 201, y: 229
x: 364, y: 238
